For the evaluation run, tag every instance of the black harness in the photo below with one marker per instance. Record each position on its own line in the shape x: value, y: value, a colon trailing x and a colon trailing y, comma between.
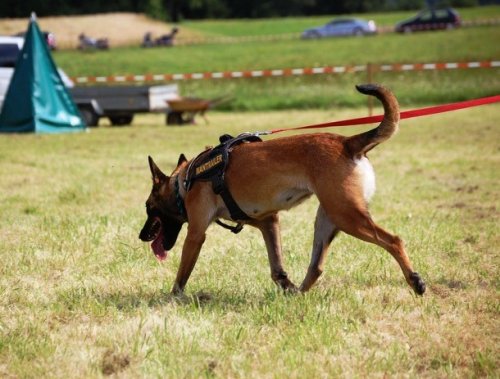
x: 211, y: 165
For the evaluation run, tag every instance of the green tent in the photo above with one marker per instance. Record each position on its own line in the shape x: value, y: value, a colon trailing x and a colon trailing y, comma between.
x: 37, y: 100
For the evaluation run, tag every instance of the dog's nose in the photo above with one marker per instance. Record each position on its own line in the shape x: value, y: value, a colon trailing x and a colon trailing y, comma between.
x: 143, y: 235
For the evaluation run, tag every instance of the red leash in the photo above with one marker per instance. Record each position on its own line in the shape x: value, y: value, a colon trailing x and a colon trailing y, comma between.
x: 405, y: 114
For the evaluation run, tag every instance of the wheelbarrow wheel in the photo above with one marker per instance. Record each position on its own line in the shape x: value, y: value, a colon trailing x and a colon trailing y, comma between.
x: 174, y: 118
x: 121, y: 120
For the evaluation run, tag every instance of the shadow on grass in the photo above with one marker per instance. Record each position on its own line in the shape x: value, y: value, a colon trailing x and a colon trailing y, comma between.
x: 90, y: 300
x: 129, y: 301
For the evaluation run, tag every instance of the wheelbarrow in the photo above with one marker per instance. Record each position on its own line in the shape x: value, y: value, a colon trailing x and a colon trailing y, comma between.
x: 183, y: 110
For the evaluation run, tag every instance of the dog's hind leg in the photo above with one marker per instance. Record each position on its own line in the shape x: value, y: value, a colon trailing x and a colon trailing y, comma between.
x: 359, y: 224
x: 270, y: 230
x: 324, y: 233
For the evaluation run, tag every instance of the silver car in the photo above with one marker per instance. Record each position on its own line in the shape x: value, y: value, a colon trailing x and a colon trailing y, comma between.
x: 342, y: 27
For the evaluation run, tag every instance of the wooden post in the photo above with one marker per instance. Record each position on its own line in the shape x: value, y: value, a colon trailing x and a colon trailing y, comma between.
x: 369, y: 72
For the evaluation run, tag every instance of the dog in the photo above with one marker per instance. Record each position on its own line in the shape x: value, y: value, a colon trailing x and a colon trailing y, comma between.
x: 269, y: 176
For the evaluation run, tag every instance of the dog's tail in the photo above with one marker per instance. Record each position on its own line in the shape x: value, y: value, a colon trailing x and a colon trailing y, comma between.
x: 360, y: 144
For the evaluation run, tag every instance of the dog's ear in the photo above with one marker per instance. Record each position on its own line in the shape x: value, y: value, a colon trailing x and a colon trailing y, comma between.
x: 158, y: 175
x: 182, y: 159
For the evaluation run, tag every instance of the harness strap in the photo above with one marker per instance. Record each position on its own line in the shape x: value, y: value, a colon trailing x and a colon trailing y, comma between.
x: 219, y: 187
x: 210, y: 165
x: 178, y: 199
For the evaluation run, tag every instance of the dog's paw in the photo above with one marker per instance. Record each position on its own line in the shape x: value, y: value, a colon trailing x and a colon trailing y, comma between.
x: 417, y: 283
x: 292, y: 289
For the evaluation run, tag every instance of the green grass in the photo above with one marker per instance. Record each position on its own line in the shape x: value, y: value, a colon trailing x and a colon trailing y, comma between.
x: 462, y: 44
x: 468, y: 44
x: 232, y: 28
x: 333, y: 91
x: 83, y: 297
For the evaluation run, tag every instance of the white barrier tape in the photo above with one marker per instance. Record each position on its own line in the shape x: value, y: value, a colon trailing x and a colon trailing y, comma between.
x: 288, y: 72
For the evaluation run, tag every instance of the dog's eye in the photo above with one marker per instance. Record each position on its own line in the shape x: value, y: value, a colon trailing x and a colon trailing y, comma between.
x: 152, y: 212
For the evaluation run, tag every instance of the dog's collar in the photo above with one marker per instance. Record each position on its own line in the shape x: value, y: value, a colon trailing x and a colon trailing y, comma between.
x: 178, y: 199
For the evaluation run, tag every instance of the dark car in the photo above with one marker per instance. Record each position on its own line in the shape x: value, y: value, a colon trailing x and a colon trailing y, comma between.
x: 342, y: 27
x: 430, y: 19
x: 9, y: 50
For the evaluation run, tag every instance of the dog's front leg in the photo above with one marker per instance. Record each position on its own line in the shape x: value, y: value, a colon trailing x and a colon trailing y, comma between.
x: 190, y: 252
x: 270, y: 230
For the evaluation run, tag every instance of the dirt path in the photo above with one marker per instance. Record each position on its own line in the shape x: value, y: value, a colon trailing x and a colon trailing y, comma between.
x: 120, y: 28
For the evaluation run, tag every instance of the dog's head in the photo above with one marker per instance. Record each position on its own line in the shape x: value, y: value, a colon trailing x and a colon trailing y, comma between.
x: 164, y: 219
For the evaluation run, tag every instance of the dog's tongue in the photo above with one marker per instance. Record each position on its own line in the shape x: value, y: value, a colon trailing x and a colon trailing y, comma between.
x: 157, y: 246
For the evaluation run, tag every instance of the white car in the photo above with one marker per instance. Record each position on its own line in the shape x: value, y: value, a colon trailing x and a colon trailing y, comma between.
x: 9, y: 51
x: 10, y: 47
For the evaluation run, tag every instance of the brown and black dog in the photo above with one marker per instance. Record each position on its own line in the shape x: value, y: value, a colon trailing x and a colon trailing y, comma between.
x: 273, y: 175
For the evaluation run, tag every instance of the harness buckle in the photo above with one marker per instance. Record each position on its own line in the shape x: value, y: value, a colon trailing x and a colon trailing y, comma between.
x: 235, y: 229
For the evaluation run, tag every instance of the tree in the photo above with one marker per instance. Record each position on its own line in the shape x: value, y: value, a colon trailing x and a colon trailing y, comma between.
x: 156, y: 9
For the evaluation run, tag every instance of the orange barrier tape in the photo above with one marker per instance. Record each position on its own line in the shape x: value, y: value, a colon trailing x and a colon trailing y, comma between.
x: 287, y: 72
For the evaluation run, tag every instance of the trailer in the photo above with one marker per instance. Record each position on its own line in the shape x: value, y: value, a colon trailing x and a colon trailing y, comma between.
x: 120, y: 103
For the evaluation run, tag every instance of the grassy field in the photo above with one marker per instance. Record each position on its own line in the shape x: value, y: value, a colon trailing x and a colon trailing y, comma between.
x: 230, y: 28
x: 129, y: 28
x: 82, y: 297
x: 321, y: 90
x: 461, y: 44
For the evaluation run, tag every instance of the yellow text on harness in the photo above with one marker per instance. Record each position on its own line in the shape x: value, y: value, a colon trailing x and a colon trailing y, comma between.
x: 208, y: 165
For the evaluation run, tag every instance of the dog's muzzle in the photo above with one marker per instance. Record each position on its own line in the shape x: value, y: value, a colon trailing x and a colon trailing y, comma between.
x: 163, y: 233
x: 153, y: 231
x: 150, y: 230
